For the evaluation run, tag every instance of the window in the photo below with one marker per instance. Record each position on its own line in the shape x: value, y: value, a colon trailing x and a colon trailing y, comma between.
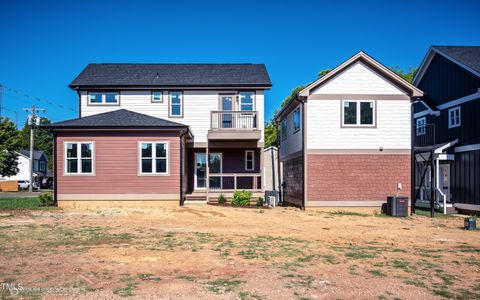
x: 421, y: 126
x: 42, y: 166
x: 246, y: 101
x: 249, y: 160
x: 103, y: 98
x: 157, y: 96
x: 283, y: 129
x: 296, y: 120
x: 454, y: 117
x: 176, y: 104
x: 153, y: 158
x: 79, y: 158
x: 358, y: 113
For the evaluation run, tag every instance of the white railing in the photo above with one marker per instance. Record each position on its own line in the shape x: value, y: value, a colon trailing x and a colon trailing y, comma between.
x: 233, y: 120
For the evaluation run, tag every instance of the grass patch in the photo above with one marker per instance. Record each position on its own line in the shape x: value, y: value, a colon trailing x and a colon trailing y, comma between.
x: 127, y: 291
x: 348, y: 213
x: 187, y: 278
x: 401, y: 264
x: 330, y: 259
x: 415, y: 283
x: 22, y: 203
x: 148, y: 276
x: 377, y: 273
x: 443, y: 293
x: 221, y: 285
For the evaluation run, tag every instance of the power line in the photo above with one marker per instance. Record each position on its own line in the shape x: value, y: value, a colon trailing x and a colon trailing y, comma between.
x: 17, y: 92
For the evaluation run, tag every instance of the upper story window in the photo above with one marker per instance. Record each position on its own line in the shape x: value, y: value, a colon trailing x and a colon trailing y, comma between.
x: 78, y: 158
x: 176, y: 104
x: 359, y: 113
x: 42, y: 166
x: 110, y: 98
x: 246, y: 101
x: 296, y: 120
x: 157, y: 97
x: 454, y: 117
x: 249, y: 160
x: 153, y: 158
x: 283, y: 129
x: 421, y: 126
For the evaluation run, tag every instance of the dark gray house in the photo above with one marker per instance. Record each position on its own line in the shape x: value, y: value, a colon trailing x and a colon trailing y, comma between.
x: 446, y: 135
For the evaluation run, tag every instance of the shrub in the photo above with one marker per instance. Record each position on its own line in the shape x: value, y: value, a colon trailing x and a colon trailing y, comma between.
x: 222, y: 199
x: 260, y: 201
x: 241, y: 198
x: 46, y: 199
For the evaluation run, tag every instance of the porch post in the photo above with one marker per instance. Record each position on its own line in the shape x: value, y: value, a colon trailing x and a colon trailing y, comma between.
x: 261, y: 171
x: 207, y: 179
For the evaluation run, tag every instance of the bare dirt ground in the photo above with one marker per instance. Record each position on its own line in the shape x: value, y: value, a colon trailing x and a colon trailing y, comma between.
x: 231, y: 253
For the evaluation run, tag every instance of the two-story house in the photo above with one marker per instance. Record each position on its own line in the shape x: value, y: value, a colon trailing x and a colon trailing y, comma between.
x: 40, y: 167
x: 447, y: 135
x: 345, y: 138
x: 162, y: 134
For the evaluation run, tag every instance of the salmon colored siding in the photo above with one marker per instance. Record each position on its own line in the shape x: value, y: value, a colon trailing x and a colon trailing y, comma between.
x: 356, y: 177
x: 116, y: 164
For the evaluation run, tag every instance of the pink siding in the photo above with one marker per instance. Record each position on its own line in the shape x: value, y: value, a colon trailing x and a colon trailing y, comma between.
x: 116, y: 164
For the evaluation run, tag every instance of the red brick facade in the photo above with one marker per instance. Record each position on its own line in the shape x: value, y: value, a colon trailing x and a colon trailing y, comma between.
x: 358, y: 177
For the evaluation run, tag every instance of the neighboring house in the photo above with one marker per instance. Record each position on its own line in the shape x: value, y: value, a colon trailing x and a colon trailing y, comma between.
x: 145, y: 132
x: 345, y: 138
x: 447, y: 139
x: 271, y: 175
x: 40, y: 166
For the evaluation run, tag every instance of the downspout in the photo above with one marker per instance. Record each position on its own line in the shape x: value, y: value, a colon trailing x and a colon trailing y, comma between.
x: 437, y: 186
x: 182, y: 145
x: 55, y: 175
x: 273, y: 168
x: 79, y: 103
x: 280, y: 199
x: 302, y: 102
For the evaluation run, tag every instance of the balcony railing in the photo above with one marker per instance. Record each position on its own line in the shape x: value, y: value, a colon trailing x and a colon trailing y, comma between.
x: 424, y: 135
x: 233, y: 120
x: 235, y: 181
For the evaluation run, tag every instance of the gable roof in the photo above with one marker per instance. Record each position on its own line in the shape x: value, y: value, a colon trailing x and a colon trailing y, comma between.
x: 117, y: 119
x: 172, y: 75
x: 362, y: 56
x: 37, y: 154
x: 467, y: 57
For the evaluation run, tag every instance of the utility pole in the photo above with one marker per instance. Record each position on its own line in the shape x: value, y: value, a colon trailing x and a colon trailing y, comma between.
x: 33, y: 120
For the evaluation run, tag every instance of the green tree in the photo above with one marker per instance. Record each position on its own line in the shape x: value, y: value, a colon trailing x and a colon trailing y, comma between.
x: 408, y: 76
x: 42, y: 139
x: 9, y: 144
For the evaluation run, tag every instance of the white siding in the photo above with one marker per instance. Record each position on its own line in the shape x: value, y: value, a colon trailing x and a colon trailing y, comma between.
x: 197, y: 108
x: 358, y: 79
x: 23, y: 169
x: 293, y: 142
x: 325, y: 132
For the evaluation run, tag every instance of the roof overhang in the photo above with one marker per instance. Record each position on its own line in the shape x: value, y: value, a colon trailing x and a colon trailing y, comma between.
x: 116, y: 128
x: 172, y: 87
x: 410, y: 89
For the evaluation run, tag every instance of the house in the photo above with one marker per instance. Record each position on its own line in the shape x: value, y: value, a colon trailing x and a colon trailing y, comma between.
x: 40, y: 166
x: 146, y: 132
x: 345, y: 138
x: 447, y: 126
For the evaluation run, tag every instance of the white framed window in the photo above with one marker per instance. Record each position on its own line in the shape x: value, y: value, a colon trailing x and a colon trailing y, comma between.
x: 296, y: 120
x: 249, y: 160
x: 79, y: 158
x: 176, y: 104
x: 246, y: 102
x: 102, y: 98
x: 153, y: 158
x: 359, y: 113
x: 42, y: 166
x: 283, y: 129
x: 157, y: 97
x: 454, y: 117
x: 421, y: 126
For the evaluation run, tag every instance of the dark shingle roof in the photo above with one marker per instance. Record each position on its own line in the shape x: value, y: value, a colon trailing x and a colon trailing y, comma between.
x: 467, y: 55
x: 37, y: 154
x: 171, y: 75
x: 121, y: 118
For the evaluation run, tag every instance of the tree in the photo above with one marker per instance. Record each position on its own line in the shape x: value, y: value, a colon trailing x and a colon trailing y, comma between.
x: 408, y: 76
x: 9, y: 144
x: 42, y: 139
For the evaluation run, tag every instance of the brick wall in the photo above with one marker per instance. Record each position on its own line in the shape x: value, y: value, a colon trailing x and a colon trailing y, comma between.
x: 293, y: 178
x: 356, y: 177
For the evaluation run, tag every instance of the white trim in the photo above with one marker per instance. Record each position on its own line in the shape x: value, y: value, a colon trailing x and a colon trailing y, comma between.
x: 79, y: 158
x: 467, y: 206
x: 459, y: 101
x: 358, y: 113
x: 445, y: 157
x: 428, y: 111
x: 467, y: 148
x: 104, y: 98
x: 452, y: 121
x: 153, y: 158
x: 195, y: 171
x: 239, y: 94
x: 253, y: 160
x: 439, y: 150
x: 170, y: 104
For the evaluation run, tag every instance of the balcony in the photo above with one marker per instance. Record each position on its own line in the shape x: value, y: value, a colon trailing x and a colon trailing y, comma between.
x: 234, y: 125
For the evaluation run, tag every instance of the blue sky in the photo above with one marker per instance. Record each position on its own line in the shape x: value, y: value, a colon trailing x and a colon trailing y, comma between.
x: 45, y: 44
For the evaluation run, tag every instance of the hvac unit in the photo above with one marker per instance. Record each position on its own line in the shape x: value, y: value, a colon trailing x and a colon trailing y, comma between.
x: 397, y: 206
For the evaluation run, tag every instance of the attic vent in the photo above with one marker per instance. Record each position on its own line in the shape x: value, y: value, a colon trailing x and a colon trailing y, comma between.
x: 157, y: 76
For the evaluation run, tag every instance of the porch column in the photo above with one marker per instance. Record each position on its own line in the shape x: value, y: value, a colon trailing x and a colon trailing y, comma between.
x: 261, y: 171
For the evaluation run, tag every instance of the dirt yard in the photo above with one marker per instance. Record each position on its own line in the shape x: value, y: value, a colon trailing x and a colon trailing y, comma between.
x: 231, y: 253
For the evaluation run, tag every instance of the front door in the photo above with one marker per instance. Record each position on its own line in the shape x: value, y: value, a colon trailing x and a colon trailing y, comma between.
x: 445, y: 180
x: 227, y: 102
x: 200, y: 171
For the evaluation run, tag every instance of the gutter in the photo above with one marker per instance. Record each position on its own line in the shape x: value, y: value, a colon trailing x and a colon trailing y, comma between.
x: 302, y: 102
